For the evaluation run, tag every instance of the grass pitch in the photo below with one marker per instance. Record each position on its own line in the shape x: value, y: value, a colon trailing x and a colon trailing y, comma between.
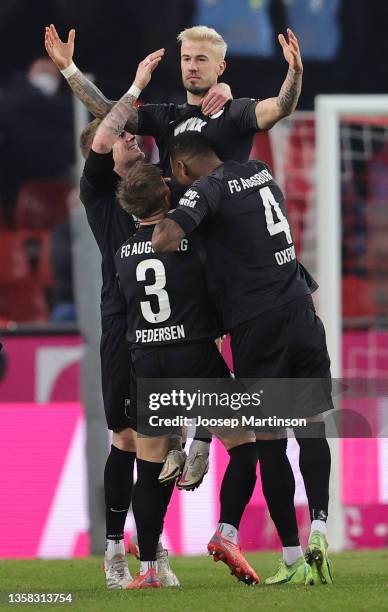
x: 361, y: 583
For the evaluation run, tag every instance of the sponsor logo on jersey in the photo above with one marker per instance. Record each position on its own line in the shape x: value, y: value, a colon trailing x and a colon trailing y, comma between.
x: 189, y: 199
x: 194, y: 124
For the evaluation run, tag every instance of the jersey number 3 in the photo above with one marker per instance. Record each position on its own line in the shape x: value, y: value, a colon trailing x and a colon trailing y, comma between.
x: 271, y: 205
x: 157, y: 288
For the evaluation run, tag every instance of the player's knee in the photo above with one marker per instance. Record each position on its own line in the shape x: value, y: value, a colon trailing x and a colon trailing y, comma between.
x: 125, y: 440
x: 232, y: 441
x: 152, y: 449
x: 243, y: 456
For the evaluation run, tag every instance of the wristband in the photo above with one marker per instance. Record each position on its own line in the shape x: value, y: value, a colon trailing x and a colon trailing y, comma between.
x: 134, y: 91
x: 69, y: 71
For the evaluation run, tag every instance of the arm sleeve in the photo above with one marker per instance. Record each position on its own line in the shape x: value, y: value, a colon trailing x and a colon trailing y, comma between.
x: 242, y: 113
x: 153, y: 119
x: 98, y: 178
x: 200, y: 201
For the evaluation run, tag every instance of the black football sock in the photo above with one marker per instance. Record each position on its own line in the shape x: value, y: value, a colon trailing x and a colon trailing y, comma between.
x: 118, y: 484
x: 203, y: 439
x: 166, y: 493
x: 147, y: 505
x: 315, y: 464
x: 278, y: 484
x: 238, y: 483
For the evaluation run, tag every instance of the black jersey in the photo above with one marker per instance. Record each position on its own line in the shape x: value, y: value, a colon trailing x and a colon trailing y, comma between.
x: 166, y: 296
x: 252, y: 266
x: 230, y: 130
x: 110, y: 224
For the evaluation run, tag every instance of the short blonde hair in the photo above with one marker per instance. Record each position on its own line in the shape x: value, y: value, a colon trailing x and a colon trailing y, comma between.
x: 203, y: 33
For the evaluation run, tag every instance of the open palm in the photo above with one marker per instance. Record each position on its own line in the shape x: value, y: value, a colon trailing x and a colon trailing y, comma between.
x: 291, y: 50
x: 60, y: 52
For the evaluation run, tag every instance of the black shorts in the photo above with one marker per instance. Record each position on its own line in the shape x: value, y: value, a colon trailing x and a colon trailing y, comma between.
x: 191, y: 360
x: 116, y: 374
x: 287, y: 342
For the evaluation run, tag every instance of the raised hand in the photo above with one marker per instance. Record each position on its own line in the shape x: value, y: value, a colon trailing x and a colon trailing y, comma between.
x: 291, y: 51
x: 216, y: 98
x: 146, y: 68
x: 60, y: 52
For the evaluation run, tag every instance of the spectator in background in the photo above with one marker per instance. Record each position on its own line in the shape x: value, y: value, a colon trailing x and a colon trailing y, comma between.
x: 36, y: 135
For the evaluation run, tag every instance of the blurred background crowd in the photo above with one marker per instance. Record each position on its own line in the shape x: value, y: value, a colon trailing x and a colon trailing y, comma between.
x: 344, y: 46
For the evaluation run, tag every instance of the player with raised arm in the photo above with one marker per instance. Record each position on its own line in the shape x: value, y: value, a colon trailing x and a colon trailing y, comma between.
x: 104, y: 167
x: 263, y: 295
x: 62, y: 54
x: 229, y: 124
x: 231, y: 132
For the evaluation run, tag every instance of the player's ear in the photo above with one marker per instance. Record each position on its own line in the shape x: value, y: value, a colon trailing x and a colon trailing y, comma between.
x: 221, y: 67
x: 167, y: 200
x: 167, y: 195
x: 183, y: 169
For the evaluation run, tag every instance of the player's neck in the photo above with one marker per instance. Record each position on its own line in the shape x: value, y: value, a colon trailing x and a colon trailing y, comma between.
x: 122, y: 169
x: 206, y: 165
x: 156, y: 218
x: 195, y: 99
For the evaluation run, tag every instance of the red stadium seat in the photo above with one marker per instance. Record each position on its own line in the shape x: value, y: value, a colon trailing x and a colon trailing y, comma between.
x: 13, y: 261
x: 357, y: 298
x: 25, y: 254
x: 25, y: 274
x: 23, y: 301
x: 3, y: 224
x: 42, y: 204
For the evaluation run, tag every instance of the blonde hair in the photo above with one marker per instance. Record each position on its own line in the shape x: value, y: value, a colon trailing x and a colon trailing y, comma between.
x: 203, y: 33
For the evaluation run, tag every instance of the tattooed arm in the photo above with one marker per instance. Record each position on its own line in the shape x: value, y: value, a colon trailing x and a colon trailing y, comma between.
x: 270, y: 111
x: 97, y: 104
x: 113, y: 125
x: 92, y: 97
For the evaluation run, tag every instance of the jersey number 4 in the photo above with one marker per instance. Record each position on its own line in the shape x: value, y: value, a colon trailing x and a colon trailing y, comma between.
x: 271, y: 205
x: 157, y: 288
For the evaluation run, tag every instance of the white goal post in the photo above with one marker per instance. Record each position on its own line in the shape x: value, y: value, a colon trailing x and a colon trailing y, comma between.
x: 329, y: 110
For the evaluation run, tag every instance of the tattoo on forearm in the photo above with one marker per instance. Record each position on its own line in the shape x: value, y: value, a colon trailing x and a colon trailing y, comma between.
x: 122, y: 114
x: 290, y: 91
x: 94, y: 100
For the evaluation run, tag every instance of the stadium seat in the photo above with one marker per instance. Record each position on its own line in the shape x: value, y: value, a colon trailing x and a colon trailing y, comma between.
x: 42, y: 204
x: 13, y: 261
x: 25, y: 274
x: 37, y: 248
x: 357, y: 298
x: 23, y: 301
x: 25, y: 254
x: 3, y: 224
